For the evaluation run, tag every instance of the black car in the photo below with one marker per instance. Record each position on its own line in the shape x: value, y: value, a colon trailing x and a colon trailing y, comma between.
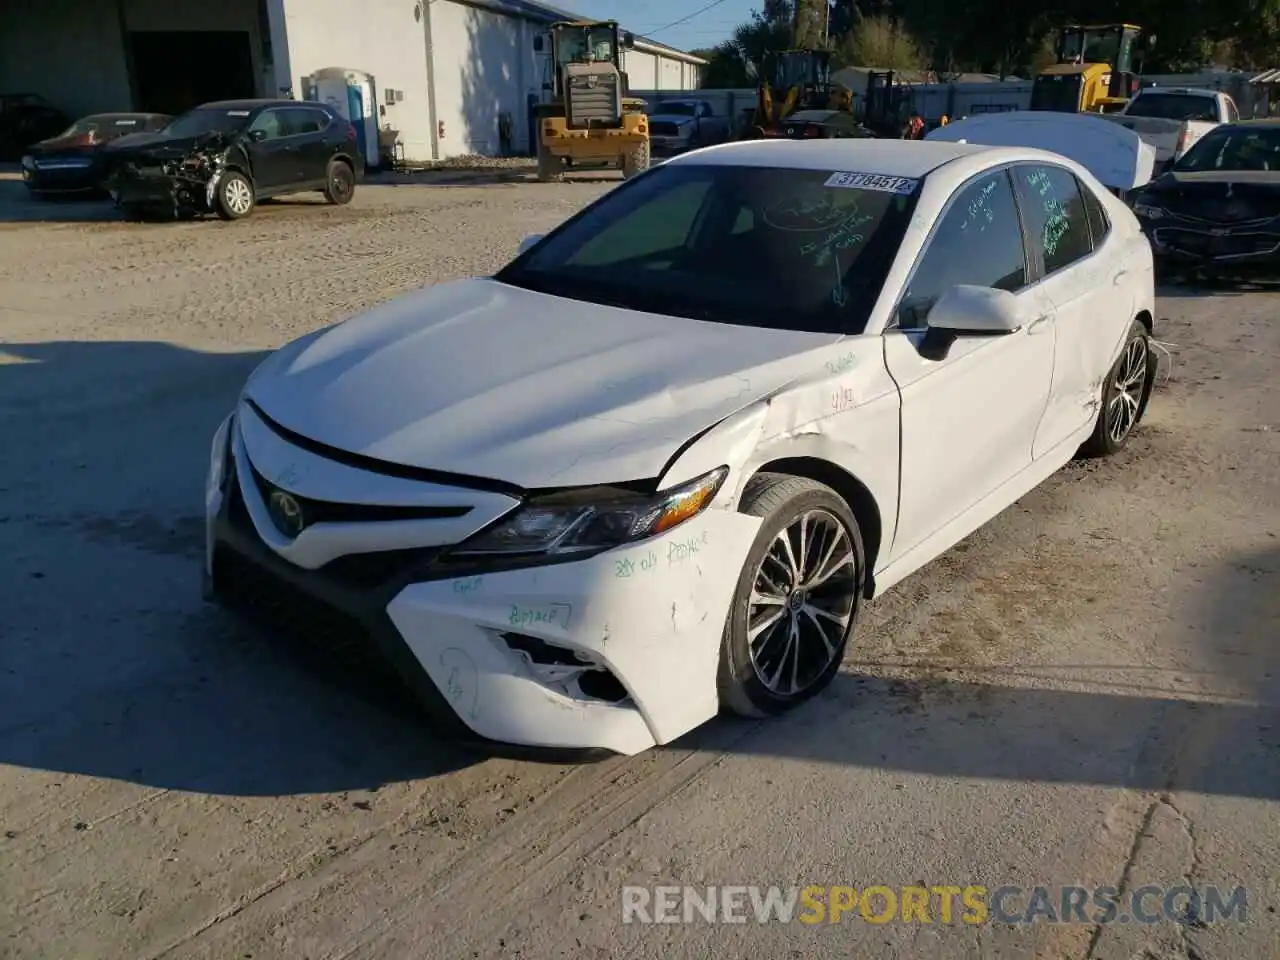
x: 71, y: 162
x: 224, y: 157
x: 1217, y: 210
x: 26, y: 118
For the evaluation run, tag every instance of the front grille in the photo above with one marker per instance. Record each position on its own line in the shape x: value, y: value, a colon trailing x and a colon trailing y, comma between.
x: 664, y: 128
x: 358, y: 571
x: 321, y: 636
x: 1193, y: 241
x: 323, y: 511
x: 589, y: 105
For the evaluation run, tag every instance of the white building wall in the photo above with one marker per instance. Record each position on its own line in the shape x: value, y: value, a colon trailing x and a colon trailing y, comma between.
x: 380, y: 37
x: 669, y: 74
x: 642, y: 69
x: 484, y: 65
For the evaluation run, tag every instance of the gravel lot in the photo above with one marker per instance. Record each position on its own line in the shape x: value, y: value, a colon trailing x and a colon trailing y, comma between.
x: 1085, y: 691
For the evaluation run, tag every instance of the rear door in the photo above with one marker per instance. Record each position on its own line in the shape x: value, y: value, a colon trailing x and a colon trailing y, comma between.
x: 1084, y: 279
x: 310, y: 129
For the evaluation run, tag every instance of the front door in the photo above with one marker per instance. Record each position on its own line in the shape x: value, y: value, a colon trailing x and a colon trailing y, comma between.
x: 273, y: 153
x: 969, y: 419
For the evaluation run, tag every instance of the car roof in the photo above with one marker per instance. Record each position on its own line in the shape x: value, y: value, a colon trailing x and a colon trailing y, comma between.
x: 256, y: 104
x: 1181, y: 91
x: 897, y: 158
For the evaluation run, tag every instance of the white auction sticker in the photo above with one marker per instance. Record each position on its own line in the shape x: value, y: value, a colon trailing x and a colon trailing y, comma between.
x: 872, y: 181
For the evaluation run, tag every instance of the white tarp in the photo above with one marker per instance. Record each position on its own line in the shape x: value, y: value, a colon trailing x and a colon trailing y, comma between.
x: 1118, y: 157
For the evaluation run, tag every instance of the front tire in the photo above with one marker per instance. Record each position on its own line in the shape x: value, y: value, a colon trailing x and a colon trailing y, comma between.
x: 797, y: 598
x: 235, y: 196
x: 1125, y: 393
x: 635, y: 161
x: 550, y: 167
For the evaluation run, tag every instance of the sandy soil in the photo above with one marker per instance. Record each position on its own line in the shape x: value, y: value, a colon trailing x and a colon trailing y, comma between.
x: 1085, y: 691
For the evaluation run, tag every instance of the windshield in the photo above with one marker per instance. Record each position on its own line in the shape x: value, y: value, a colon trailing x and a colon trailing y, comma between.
x: 1089, y: 46
x: 678, y: 108
x: 104, y: 126
x: 1173, y: 106
x: 1233, y: 148
x: 799, y: 69
x: 752, y: 246
x: 203, y: 120
x: 582, y: 44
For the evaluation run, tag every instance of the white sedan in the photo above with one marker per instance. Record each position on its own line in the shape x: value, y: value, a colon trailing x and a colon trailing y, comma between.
x: 654, y: 466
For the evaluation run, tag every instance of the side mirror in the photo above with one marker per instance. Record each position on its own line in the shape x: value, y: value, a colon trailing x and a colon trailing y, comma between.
x: 629, y: 40
x: 537, y: 44
x: 528, y: 242
x: 257, y: 136
x: 975, y: 311
x: 969, y: 311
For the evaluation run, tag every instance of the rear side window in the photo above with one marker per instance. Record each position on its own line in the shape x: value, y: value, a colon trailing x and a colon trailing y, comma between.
x: 300, y: 120
x: 1174, y: 106
x: 1099, y: 225
x: 1054, y: 211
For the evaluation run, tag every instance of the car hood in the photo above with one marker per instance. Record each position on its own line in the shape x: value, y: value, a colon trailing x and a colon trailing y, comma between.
x: 160, y: 145
x: 63, y: 145
x: 1221, y: 195
x: 678, y: 118
x: 479, y: 378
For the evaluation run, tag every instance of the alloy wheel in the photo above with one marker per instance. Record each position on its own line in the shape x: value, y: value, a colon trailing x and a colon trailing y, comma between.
x: 802, y: 603
x: 239, y: 198
x: 1126, y: 398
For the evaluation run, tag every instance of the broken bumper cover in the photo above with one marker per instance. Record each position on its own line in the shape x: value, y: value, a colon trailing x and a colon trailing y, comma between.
x: 163, y: 184
x: 614, y: 653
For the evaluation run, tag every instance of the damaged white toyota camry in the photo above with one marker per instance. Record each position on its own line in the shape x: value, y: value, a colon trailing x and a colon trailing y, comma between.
x: 652, y: 468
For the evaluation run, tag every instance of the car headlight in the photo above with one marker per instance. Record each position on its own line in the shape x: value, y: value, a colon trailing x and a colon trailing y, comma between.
x: 1150, y: 211
x: 594, y: 521
x: 219, y: 455
x: 28, y: 163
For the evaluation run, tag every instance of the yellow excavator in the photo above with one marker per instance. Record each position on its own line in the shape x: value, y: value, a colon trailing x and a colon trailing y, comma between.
x: 1095, y: 69
x: 589, y: 119
x: 810, y: 102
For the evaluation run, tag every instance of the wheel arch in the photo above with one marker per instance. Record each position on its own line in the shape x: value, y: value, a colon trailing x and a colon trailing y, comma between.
x: 1148, y: 322
x: 861, y: 502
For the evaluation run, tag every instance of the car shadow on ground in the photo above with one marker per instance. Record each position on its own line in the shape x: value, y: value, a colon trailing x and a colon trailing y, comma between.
x: 1201, y: 288
x: 111, y: 665
x: 17, y: 205
x: 1006, y: 725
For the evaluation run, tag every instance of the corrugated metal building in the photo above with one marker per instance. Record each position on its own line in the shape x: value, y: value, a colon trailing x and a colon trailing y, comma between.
x: 458, y: 65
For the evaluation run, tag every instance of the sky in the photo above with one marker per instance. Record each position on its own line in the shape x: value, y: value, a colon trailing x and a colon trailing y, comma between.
x: 709, y: 21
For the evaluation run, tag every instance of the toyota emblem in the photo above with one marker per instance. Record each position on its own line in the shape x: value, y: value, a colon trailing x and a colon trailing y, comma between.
x: 286, y: 513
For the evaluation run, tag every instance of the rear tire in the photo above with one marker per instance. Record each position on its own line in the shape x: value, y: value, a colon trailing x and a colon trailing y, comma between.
x: 1125, y: 393
x: 550, y: 167
x: 235, y: 198
x: 797, y: 600
x: 339, y: 182
x: 635, y: 161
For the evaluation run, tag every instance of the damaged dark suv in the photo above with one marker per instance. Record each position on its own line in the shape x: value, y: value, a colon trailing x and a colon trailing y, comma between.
x: 224, y: 157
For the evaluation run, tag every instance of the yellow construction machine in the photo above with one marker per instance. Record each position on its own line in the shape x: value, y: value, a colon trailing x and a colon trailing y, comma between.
x: 802, y: 78
x: 1094, y: 72
x: 589, y: 119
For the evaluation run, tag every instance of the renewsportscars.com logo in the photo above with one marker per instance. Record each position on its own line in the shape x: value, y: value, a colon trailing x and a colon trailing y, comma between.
x: 942, y: 904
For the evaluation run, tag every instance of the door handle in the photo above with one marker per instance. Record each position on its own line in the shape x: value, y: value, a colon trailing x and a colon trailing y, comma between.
x: 1119, y: 277
x: 1043, y: 318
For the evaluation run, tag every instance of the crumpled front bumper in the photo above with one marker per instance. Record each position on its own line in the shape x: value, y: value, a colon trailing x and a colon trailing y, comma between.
x: 164, y: 184
x: 615, y: 653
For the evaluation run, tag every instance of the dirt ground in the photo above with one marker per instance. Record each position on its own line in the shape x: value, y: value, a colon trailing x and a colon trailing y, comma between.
x: 1086, y: 691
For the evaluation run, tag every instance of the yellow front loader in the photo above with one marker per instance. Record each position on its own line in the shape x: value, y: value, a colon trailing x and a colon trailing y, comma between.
x: 589, y: 119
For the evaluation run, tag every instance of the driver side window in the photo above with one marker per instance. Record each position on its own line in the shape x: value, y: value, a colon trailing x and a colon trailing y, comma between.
x: 978, y: 241
x: 663, y: 224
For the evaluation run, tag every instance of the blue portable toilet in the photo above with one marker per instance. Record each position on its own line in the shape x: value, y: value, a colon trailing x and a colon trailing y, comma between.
x: 353, y: 95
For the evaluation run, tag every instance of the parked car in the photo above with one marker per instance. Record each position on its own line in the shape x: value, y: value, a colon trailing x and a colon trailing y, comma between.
x: 679, y: 125
x: 224, y: 157
x: 823, y: 124
x: 71, y: 162
x: 655, y: 465
x: 26, y: 118
x: 1218, y: 210
x: 1172, y: 119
